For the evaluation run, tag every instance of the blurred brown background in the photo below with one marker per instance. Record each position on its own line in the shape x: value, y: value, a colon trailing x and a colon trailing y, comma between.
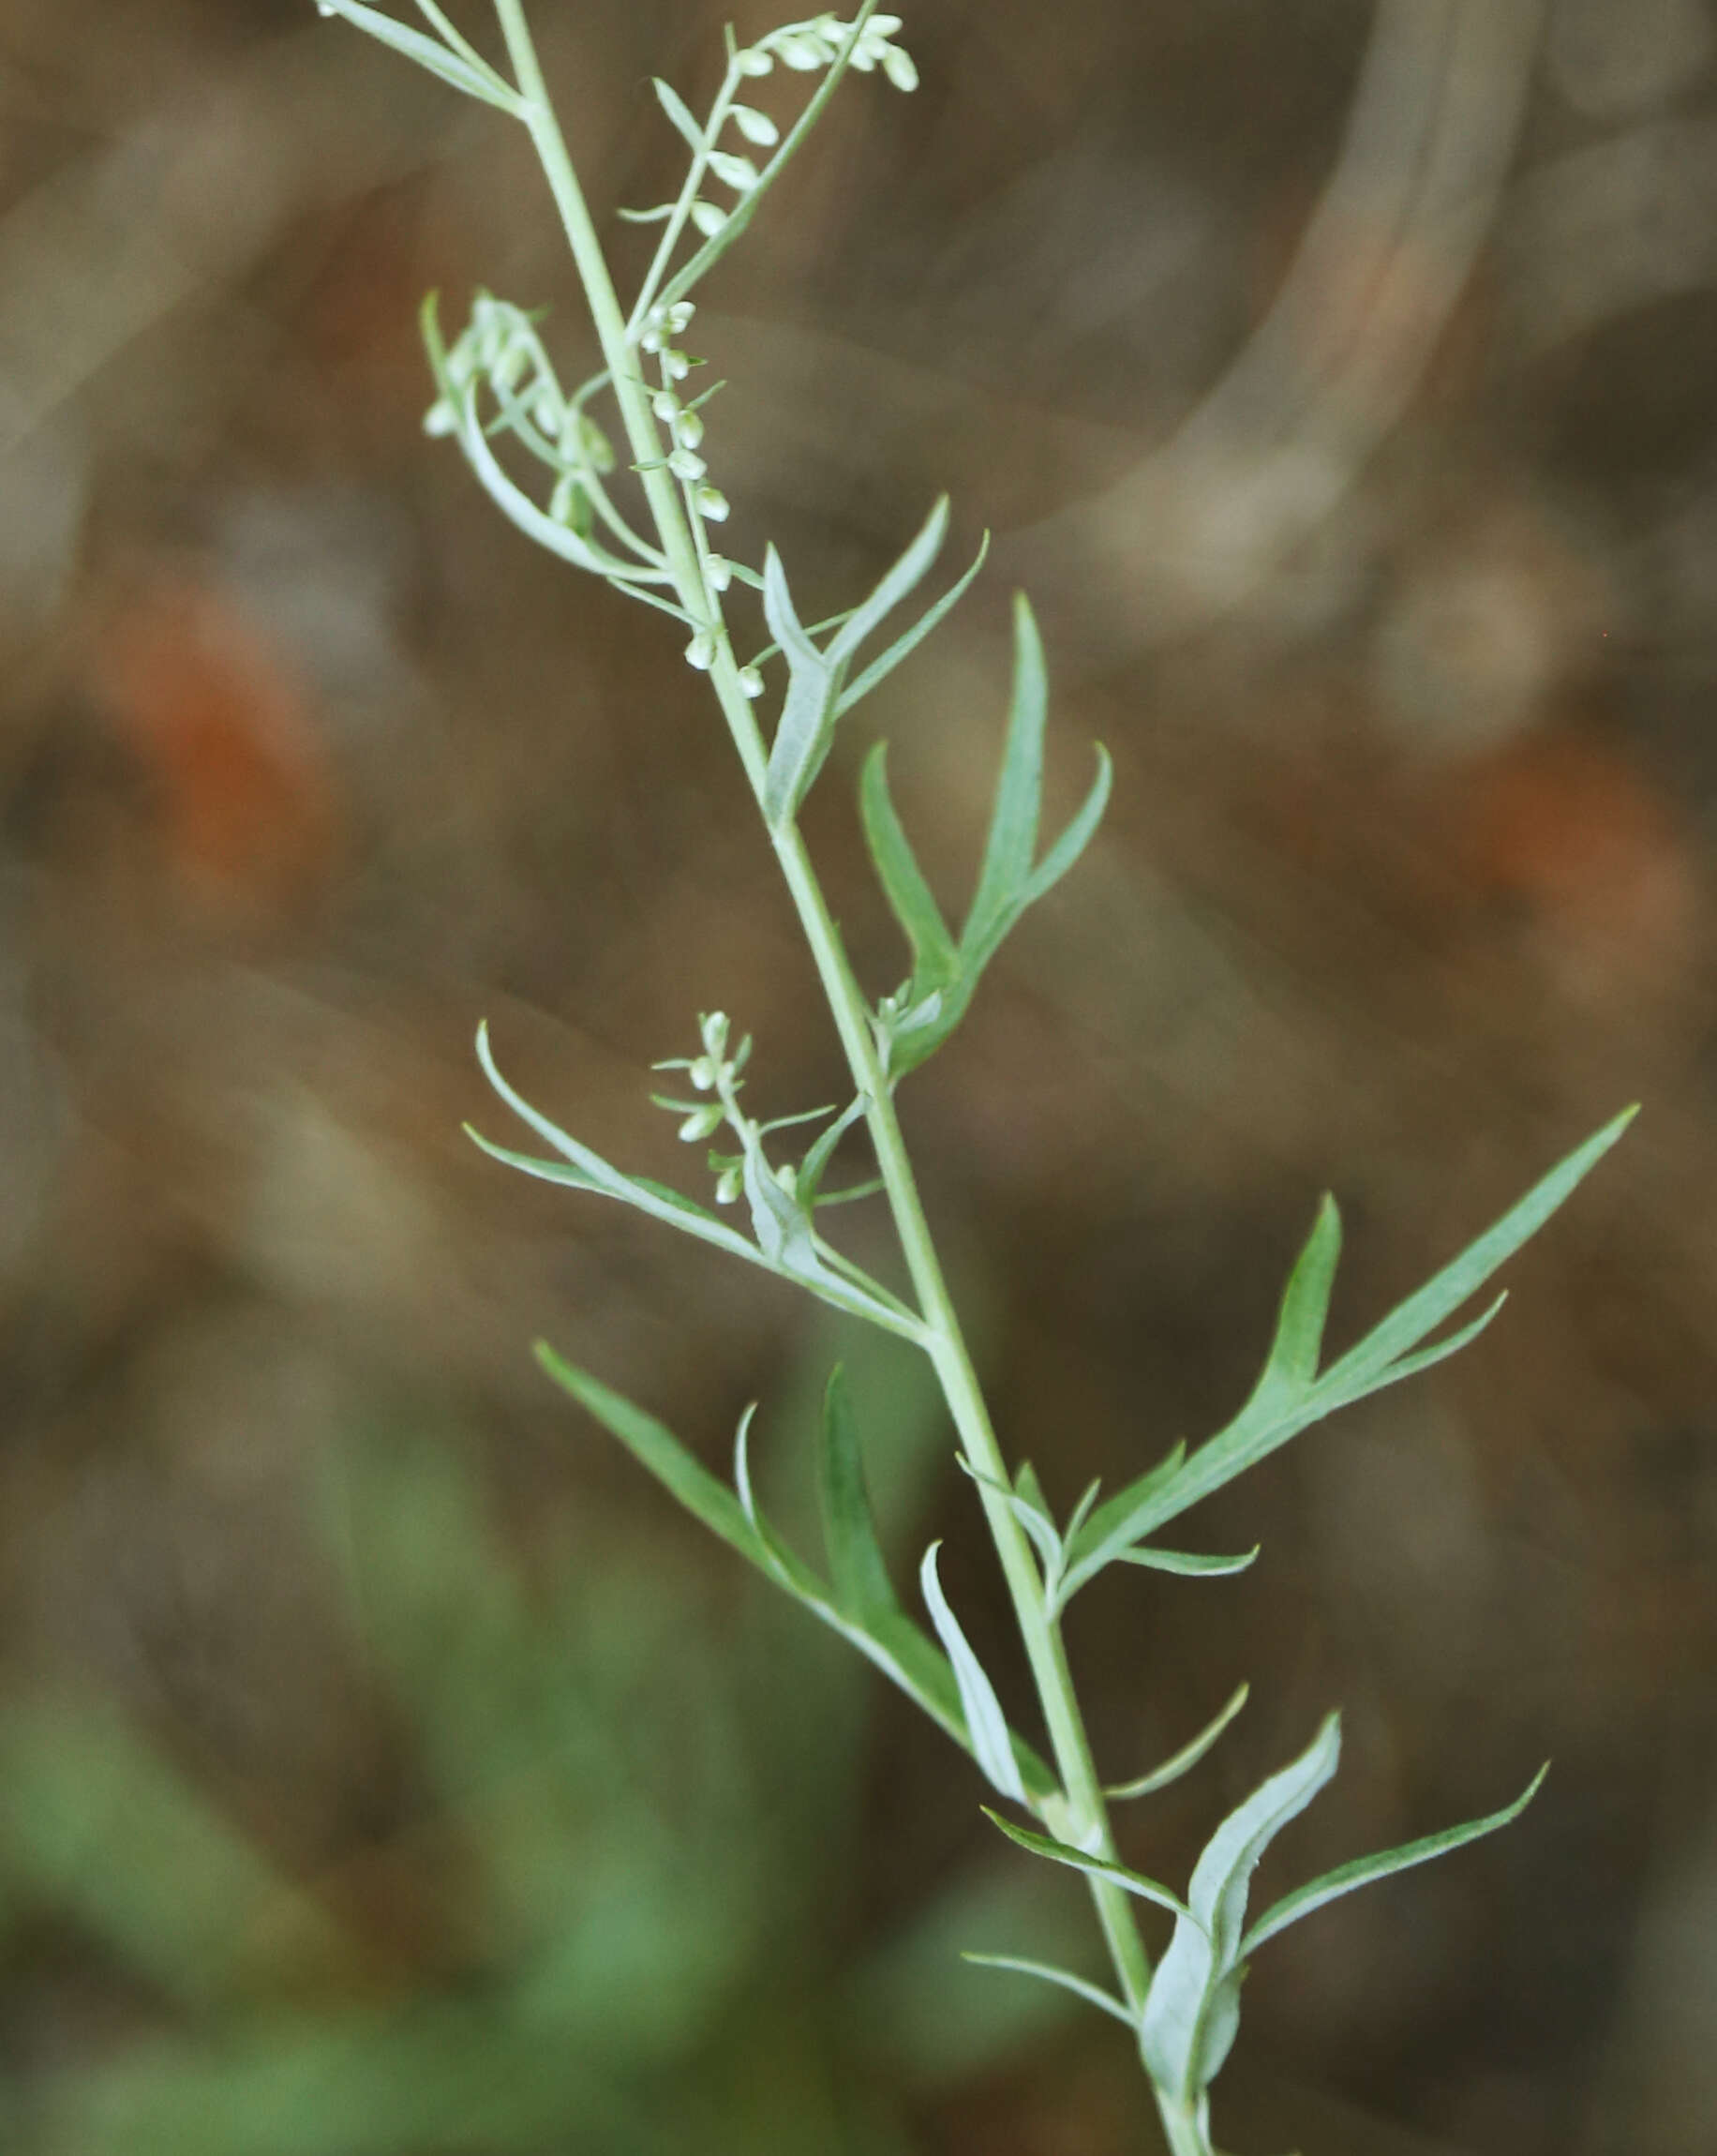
x: 382, y: 1767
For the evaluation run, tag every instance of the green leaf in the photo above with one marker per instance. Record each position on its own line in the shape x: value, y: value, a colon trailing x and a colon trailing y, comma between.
x: 1305, y: 1301
x: 1029, y: 1507
x: 808, y: 1184
x: 674, y: 105
x: 1050, y: 1974
x: 935, y: 962
x: 1345, y: 1878
x: 1013, y: 820
x: 1094, y: 1867
x: 1462, y: 1279
x: 856, y: 1562
x: 655, y: 1447
x: 1188, y: 1563
x: 904, y: 645
x: 892, y: 1642
x: 1192, y: 2009
x: 984, y: 1720
x: 907, y: 573
x: 807, y: 718
x: 1183, y: 1762
x: 1283, y: 1402
x: 786, y: 1245
x: 430, y: 54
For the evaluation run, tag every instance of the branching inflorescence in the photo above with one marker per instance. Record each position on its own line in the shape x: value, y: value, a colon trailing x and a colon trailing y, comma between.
x: 500, y: 398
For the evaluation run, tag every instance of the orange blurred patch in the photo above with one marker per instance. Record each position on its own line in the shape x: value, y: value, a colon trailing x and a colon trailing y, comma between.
x: 1570, y: 829
x: 210, y: 707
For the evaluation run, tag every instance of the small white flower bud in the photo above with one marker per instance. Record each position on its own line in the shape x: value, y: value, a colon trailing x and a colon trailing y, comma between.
x: 727, y: 1188
x: 440, y: 418
x: 701, y: 651
x: 666, y: 406
x: 712, y: 1030
x: 712, y: 503
x: 703, y: 1123
x: 750, y: 682
x: 702, y: 1072
x: 687, y: 464
x: 756, y: 126
x: 674, y: 365
x: 755, y: 61
x: 707, y: 218
x: 689, y: 426
x: 718, y: 572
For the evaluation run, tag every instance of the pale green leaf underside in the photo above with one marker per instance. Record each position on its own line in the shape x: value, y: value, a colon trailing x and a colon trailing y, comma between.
x: 991, y: 1744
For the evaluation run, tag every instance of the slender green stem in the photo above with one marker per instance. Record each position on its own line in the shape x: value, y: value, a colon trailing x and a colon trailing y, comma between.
x: 1186, y: 2134
x: 1078, y: 1815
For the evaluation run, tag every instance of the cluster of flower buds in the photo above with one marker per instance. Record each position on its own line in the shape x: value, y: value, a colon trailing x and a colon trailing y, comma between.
x: 820, y: 42
x: 662, y: 324
x: 500, y: 350
x: 714, y: 1073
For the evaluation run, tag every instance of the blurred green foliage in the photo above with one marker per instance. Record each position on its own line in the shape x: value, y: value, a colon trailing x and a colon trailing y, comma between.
x: 632, y: 1831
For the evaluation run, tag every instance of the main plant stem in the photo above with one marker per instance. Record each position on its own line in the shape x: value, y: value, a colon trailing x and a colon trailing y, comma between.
x: 1079, y: 1815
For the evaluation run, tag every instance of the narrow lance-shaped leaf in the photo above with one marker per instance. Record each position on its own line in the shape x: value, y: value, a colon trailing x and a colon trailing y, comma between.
x: 790, y: 1250
x: 1077, y: 836
x: 908, y: 641
x: 1462, y: 1279
x: 934, y: 960
x: 906, y: 575
x: 984, y: 1720
x: 1093, y: 1993
x: 1107, y: 1868
x: 1189, y: 1564
x: 430, y: 54
x: 1012, y: 839
x: 807, y: 713
x: 1281, y: 1405
x: 895, y: 1644
x: 1305, y: 1301
x: 1183, y: 1762
x: 856, y: 1562
x: 809, y: 1183
x: 675, y: 106
x: 1192, y: 2009
x: 1347, y: 1878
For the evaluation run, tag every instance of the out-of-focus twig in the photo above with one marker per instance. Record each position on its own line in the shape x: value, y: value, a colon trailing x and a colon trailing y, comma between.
x: 1202, y: 523
x: 108, y: 247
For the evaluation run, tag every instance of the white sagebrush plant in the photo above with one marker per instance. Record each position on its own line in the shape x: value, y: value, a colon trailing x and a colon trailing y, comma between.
x: 498, y: 391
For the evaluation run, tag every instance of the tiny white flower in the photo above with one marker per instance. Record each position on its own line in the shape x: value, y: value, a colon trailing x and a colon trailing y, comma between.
x: 750, y: 682
x: 711, y: 504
